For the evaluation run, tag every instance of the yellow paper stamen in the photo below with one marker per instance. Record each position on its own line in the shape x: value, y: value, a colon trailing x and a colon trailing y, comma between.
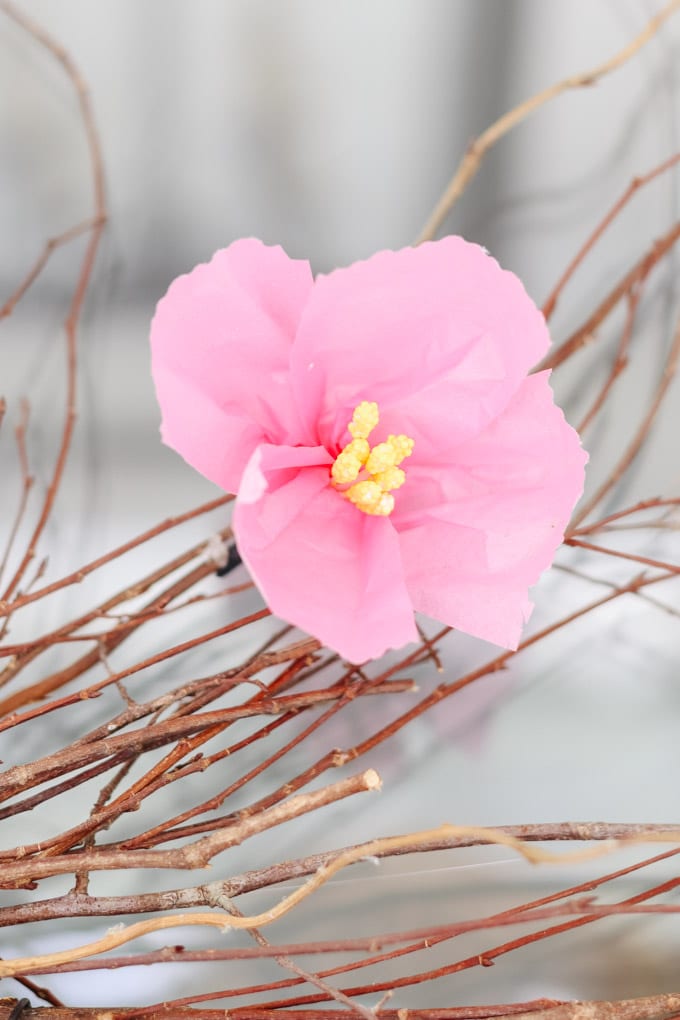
x: 369, y: 497
x: 402, y: 445
x: 390, y: 479
x: 350, y: 461
x: 374, y: 472
x: 364, y: 420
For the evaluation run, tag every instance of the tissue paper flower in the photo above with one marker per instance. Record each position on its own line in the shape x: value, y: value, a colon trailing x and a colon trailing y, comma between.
x: 388, y: 450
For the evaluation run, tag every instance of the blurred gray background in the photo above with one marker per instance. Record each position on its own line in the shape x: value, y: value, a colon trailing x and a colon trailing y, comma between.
x: 332, y: 128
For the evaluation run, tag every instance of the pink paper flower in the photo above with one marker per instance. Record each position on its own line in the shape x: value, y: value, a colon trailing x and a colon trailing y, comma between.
x: 388, y: 450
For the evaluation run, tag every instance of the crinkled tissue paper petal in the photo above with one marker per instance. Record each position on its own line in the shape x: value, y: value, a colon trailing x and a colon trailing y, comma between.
x: 441, y: 321
x: 319, y: 562
x: 495, y: 518
x: 218, y: 334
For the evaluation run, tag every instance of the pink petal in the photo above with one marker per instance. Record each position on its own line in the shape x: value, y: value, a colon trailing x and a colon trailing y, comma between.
x: 438, y: 332
x: 221, y: 341
x: 476, y: 535
x: 320, y: 563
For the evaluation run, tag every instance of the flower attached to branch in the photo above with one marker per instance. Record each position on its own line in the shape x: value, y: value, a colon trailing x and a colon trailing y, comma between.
x: 388, y: 450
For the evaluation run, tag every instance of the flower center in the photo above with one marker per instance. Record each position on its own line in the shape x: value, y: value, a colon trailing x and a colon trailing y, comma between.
x: 367, y: 475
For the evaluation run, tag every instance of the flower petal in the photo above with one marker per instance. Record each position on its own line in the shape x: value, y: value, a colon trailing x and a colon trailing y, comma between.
x: 319, y: 562
x: 218, y: 333
x: 476, y: 535
x: 442, y: 318
x: 449, y: 579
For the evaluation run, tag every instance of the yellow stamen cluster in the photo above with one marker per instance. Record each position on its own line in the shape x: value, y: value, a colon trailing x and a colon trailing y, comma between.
x: 371, y: 474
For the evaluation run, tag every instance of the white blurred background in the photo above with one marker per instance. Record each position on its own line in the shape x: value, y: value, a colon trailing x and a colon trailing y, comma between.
x: 332, y: 128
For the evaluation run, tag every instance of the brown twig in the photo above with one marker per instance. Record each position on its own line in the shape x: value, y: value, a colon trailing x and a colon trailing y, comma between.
x: 23, y: 777
x: 302, y: 804
x: 131, y: 591
x: 51, y: 246
x: 170, y: 828
x: 636, y: 184
x: 57, y: 680
x: 201, y: 853
x: 173, y: 1012
x: 644, y: 504
x: 285, y: 961
x: 641, y: 434
x: 483, y: 959
x: 633, y: 279
x: 124, y: 622
x: 74, y: 905
x: 87, y: 266
x: 79, y: 575
x: 618, y: 365
x: 476, y: 151
x: 162, y: 775
x: 27, y: 480
x: 646, y: 561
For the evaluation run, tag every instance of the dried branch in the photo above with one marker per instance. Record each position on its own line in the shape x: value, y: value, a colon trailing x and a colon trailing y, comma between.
x: 618, y: 365
x: 79, y: 575
x: 44, y: 687
x: 87, y: 266
x: 288, y: 964
x: 201, y: 853
x: 633, y: 279
x: 672, y: 568
x: 8, y: 1008
x: 636, y: 444
x: 206, y: 848
x: 636, y: 184
x: 645, y: 504
x: 75, y: 905
x: 51, y: 246
x: 656, y: 1007
x: 22, y: 658
x: 483, y: 959
x: 476, y: 151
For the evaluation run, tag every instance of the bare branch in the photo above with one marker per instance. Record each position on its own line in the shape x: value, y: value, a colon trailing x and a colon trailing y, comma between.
x: 472, y: 159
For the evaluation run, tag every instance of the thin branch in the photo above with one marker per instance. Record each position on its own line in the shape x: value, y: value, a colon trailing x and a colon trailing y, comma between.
x: 618, y: 365
x: 43, y: 687
x: 636, y: 184
x: 367, y: 781
x: 472, y: 159
x: 51, y: 246
x: 195, y: 855
x: 497, y: 664
x: 420, y: 939
x: 82, y: 284
x: 642, y: 505
x: 672, y: 568
x: 640, y: 436
x: 170, y: 828
x: 123, y: 622
x: 201, y: 854
x: 20, y: 778
x: 174, y: 1012
x: 288, y: 964
x: 483, y: 959
x: 587, y: 332
x: 74, y: 905
x: 27, y: 481
x: 131, y: 591
x: 79, y: 575
x: 158, y: 778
